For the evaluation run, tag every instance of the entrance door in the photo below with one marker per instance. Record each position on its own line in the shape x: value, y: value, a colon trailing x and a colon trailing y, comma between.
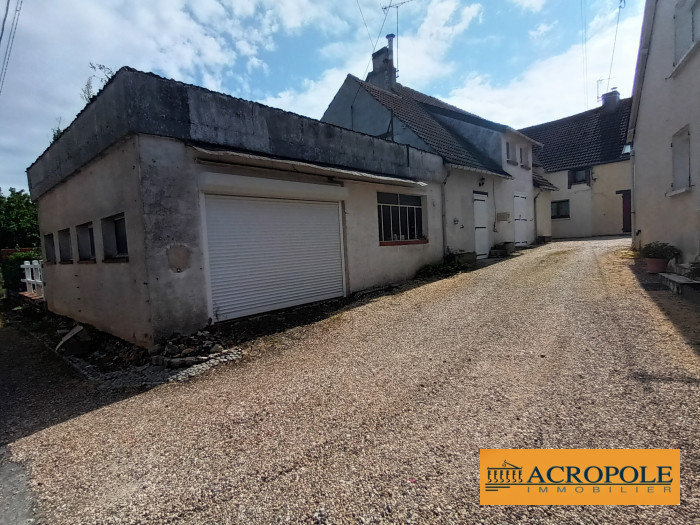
x: 520, y: 219
x: 626, y: 210
x: 481, y: 225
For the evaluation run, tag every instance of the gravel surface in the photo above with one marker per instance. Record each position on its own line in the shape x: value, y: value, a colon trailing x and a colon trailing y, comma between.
x: 378, y: 413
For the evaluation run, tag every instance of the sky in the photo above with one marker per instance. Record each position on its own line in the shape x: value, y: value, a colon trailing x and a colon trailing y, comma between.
x: 517, y: 62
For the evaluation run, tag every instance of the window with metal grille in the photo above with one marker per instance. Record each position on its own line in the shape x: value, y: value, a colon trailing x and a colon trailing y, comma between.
x: 400, y: 217
x: 560, y: 209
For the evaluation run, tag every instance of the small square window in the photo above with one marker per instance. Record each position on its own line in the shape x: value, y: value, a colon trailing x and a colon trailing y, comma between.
x: 114, y: 237
x: 86, y: 242
x: 560, y: 209
x: 580, y: 176
x: 400, y: 217
x: 65, y: 251
x: 49, y: 248
x: 524, y: 158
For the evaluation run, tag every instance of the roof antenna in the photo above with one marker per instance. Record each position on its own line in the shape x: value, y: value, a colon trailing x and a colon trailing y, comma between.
x: 386, y: 8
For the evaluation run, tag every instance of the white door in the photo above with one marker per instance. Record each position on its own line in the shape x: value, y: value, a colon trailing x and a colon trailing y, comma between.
x: 520, y: 219
x: 481, y: 226
x: 266, y: 254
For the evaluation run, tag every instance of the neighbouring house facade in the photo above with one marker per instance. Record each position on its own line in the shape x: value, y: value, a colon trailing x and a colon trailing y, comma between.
x: 164, y: 207
x: 586, y: 157
x: 663, y: 128
x: 490, y: 195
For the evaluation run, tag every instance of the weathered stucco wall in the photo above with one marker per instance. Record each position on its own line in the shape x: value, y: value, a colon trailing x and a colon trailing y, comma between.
x: 607, y: 204
x: 368, y: 263
x: 580, y: 221
x: 112, y: 296
x: 668, y: 103
x: 135, y: 102
x: 543, y: 209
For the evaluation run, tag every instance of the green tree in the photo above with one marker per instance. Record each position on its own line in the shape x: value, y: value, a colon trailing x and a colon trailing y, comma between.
x: 19, y: 223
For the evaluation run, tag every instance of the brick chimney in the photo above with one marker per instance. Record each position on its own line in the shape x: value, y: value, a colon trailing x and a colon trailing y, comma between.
x: 383, y: 74
x: 611, y: 101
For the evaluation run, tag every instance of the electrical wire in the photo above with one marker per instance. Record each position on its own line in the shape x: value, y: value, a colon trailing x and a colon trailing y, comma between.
x: 8, y: 51
x: 617, y: 26
x: 4, y: 19
x: 584, y: 44
x: 369, y: 35
x: 386, y: 13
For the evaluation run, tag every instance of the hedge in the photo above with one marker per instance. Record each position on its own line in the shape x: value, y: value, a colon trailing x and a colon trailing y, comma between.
x: 12, y: 274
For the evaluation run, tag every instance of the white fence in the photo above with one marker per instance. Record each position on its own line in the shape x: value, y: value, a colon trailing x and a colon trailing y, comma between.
x: 34, y: 279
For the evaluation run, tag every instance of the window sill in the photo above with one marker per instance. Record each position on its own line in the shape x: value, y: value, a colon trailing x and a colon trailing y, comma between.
x: 115, y: 259
x: 684, y: 59
x: 403, y: 243
x: 560, y: 218
x: 512, y: 162
x: 678, y: 192
x: 87, y: 261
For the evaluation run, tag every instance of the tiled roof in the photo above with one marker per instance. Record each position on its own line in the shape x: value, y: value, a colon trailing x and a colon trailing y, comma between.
x: 409, y: 106
x: 540, y: 182
x: 586, y: 139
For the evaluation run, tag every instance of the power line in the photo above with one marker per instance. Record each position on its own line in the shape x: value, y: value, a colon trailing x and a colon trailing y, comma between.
x: 584, y: 44
x: 365, y: 21
x: 617, y: 26
x: 386, y: 12
x: 8, y: 51
x: 4, y: 19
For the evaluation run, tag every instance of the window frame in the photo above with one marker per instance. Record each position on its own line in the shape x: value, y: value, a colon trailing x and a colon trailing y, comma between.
x: 686, y: 32
x: 50, y: 248
x: 395, y: 211
x: 510, y: 153
x: 558, y: 214
x: 587, y: 178
x: 65, y: 246
x: 85, y: 234
x: 113, y: 227
x: 681, y: 138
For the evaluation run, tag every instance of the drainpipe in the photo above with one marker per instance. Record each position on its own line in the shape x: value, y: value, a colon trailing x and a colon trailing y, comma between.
x: 444, y: 214
x: 633, y: 197
x: 535, y: 214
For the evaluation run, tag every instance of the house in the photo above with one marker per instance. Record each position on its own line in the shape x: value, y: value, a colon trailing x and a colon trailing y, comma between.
x: 663, y: 128
x: 584, y: 155
x: 489, y: 193
x: 164, y: 207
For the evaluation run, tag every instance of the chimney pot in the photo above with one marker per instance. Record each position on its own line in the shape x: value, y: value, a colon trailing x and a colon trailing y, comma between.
x: 611, y: 101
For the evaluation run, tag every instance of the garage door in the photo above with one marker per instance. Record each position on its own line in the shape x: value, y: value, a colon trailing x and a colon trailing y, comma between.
x: 266, y: 254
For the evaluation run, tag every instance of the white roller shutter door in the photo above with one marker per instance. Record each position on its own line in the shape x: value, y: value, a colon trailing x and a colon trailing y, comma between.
x: 266, y: 254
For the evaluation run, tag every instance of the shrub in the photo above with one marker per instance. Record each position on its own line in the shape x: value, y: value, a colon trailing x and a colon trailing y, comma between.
x: 660, y: 250
x: 12, y: 273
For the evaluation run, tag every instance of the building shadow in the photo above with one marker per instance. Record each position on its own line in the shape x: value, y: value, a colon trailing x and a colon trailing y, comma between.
x: 683, y: 313
x: 38, y: 389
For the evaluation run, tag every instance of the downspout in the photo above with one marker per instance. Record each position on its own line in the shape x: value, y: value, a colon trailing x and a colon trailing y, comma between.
x: 535, y: 214
x: 444, y: 214
x: 633, y: 196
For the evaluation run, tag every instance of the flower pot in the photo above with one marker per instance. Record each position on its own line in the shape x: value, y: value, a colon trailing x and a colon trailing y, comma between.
x: 654, y: 265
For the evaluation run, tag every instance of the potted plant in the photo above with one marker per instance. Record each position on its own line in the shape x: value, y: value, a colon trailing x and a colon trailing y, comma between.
x: 657, y: 254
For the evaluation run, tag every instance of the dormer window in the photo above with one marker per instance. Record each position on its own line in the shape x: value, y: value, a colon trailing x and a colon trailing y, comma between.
x: 580, y: 176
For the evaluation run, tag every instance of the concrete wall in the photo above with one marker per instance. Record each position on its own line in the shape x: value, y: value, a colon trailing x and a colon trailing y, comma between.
x: 134, y: 102
x: 543, y: 209
x: 668, y: 103
x: 112, y: 296
x: 607, y: 204
x: 368, y: 263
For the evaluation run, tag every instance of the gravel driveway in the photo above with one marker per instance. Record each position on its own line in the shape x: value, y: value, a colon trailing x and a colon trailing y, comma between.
x: 378, y: 413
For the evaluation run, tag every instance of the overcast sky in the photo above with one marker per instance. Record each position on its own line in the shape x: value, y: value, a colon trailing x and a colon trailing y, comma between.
x: 518, y: 62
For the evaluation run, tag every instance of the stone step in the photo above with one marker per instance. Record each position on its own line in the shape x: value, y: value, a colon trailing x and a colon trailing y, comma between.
x: 681, y: 285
